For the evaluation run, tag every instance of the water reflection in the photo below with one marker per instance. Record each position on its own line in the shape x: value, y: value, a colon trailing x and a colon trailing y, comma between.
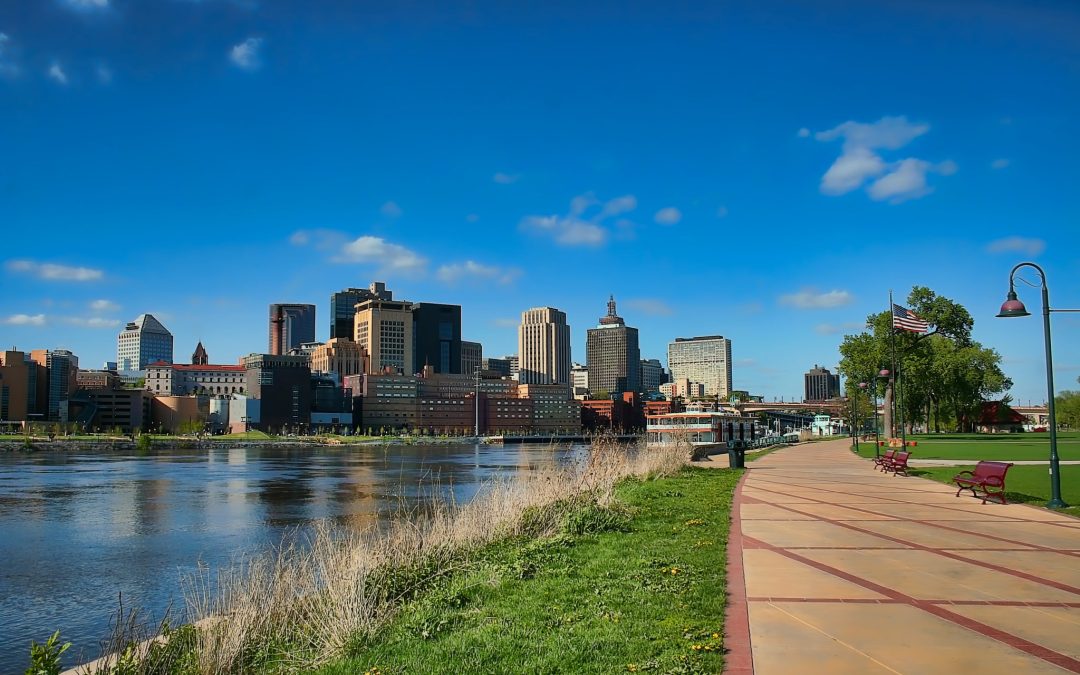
x: 78, y: 529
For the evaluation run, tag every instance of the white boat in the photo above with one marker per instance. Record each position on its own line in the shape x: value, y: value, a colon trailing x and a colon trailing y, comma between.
x: 701, y: 428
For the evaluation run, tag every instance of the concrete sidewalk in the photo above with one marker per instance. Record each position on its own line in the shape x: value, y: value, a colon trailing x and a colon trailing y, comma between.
x: 835, y: 567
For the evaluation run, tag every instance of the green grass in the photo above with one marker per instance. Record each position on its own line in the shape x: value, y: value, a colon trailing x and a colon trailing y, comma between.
x: 987, y: 447
x: 644, y: 594
x: 1023, y: 484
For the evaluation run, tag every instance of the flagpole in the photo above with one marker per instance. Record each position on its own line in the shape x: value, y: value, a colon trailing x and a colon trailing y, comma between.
x: 892, y: 375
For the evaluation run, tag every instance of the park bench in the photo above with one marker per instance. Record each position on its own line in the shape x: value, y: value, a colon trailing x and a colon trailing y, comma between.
x: 883, y: 461
x: 898, y: 464
x: 988, y: 477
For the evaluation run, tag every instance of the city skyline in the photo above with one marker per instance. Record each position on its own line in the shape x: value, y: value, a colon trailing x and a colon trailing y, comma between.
x: 457, y: 156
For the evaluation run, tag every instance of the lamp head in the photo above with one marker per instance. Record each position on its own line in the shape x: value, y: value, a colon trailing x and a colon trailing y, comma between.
x: 884, y: 372
x: 1012, y: 307
x: 863, y: 385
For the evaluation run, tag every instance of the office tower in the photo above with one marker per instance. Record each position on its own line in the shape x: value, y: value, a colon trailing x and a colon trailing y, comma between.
x: 341, y: 356
x: 543, y: 347
x: 499, y: 366
x: 142, y: 342
x: 436, y: 334
x: 61, y: 367
x: 472, y: 357
x: 579, y: 380
x: 343, y: 307
x: 282, y: 384
x: 612, y: 355
x: 819, y: 384
x: 652, y: 375
x: 23, y: 383
x: 385, y: 329
x: 705, y: 359
x: 290, y: 325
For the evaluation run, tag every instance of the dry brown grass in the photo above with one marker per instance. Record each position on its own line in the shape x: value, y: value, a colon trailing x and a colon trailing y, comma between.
x: 301, y: 605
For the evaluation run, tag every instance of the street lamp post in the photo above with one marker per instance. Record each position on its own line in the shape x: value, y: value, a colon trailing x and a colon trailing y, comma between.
x: 883, y: 375
x: 855, y: 417
x: 1011, y: 308
x: 863, y: 386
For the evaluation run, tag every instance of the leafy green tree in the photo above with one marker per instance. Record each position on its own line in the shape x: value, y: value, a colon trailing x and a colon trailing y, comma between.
x: 1067, y: 408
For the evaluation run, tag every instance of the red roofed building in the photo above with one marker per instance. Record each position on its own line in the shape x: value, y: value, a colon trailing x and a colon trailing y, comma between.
x: 998, y: 417
x: 178, y: 379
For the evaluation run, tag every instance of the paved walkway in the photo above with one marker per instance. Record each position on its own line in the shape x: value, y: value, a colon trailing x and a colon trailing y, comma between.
x: 837, y: 568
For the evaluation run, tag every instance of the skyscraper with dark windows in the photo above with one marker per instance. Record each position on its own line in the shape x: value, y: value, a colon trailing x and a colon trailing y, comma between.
x: 343, y: 308
x: 437, y: 337
x: 290, y: 325
x: 820, y: 385
x: 612, y: 355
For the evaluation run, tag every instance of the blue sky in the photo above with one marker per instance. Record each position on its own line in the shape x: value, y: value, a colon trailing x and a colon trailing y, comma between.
x: 763, y: 170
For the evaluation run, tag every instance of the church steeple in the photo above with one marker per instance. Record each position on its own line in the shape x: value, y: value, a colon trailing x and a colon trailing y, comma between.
x: 199, y: 358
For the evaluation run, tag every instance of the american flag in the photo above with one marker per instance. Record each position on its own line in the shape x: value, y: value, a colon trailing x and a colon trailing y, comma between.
x: 905, y: 319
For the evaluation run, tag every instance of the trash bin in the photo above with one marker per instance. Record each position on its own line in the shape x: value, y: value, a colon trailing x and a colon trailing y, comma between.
x: 736, y: 455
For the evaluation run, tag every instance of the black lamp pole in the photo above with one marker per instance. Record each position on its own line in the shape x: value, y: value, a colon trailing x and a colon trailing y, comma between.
x: 1013, y: 307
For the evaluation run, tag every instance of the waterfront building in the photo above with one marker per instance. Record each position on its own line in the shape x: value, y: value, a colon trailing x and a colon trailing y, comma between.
x: 61, y: 368
x: 652, y: 375
x: 579, y: 381
x: 343, y: 308
x: 554, y: 411
x: 544, y: 347
x: 820, y: 385
x: 282, y: 384
x: 705, y: 359
x: 385, y: 329
x: 174, y: 414
x: 436, y: 340
x: 142, y: 342
x: 96, y: 379
x: 110, y: 408
x: 23, y: 387
x: 290, y: 325
x: 178, y: 379
x: 621, y: 414
x: 472, y: 357
x: 612, y: 355
x: 684, y: 389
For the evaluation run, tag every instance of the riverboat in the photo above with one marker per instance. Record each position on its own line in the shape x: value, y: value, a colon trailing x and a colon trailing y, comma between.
x: 705, y: 429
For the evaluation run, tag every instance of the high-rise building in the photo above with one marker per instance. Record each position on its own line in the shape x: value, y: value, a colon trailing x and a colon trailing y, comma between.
x: 290, y: 325
x: 612, y: 355
x: 514, y: 362
x: 282, y: 384
x: 23, y: 383
x: 579, y: 380
x: 652, y: 375
x: 61, y: 367
x: 819, y: 384
x: 385, y: 329
x: 472, y: 357
x: 343, y: 307
x: 705, y: 359
x: 498, y: 366
x: 341, y: 356
x: 436, y: 332
x: 142, y: 342
x: 543, y: 347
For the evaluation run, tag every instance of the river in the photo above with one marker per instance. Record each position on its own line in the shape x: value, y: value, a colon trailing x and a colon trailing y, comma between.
x: 77, y: 529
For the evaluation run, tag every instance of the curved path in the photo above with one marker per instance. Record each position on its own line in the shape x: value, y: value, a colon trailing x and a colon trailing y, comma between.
x: 837, y: 568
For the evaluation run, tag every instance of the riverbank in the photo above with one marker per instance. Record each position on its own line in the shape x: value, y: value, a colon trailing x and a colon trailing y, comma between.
x: 13, y: 443
x: 317, y: 598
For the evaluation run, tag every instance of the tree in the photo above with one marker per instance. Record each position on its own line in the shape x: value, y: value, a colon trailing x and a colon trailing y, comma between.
x: 942, y: 367
x: 1067, y: 408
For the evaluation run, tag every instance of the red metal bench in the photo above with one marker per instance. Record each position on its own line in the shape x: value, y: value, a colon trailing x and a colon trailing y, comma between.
x: 898, y: 464
x: 882, y: 461
x: 988, y: 477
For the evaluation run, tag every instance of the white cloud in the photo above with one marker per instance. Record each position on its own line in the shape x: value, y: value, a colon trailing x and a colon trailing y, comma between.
x: 321, y: 239
x: 391, y: 210
x: 833, y: 329
x: 668, y: 216
x: 649, y: 306
x: 94, y: 322
x: 378, y: 251
x: 860, y: 161
x: 906, y: 181
x: 804, y: 133
x: 1031, y: 247
x: 471, y: 270
x: 53, y: 272
x: 246, y: 54
x: 25, y: 320
x: 104, y: 306
x: 809, y: 298
x: 584, y: 224
x: 505, y: 178
x: 56, y: 73
x: 999, y: 163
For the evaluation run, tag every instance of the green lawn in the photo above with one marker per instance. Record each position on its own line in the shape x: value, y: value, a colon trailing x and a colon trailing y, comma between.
x: 1023, y: 484
x: 988, y: 447
x: 650, y: 598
